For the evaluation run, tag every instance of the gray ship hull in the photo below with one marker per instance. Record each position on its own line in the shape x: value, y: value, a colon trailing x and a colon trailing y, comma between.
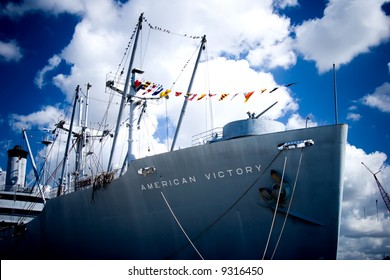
x: 202, y: 202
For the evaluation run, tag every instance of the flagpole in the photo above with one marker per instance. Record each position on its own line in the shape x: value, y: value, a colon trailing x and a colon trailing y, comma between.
x: 183, y: 110
x: 335, y: 94
x: 125, y: 96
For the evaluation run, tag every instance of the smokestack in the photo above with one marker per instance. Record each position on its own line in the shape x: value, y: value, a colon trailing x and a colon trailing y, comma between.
x: 16, y: 169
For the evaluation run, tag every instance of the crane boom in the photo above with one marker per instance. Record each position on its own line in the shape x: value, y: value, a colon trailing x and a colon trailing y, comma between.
x: 384, y: 194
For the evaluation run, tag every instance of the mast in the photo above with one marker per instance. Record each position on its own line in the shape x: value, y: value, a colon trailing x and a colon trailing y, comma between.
x: 133, y: 105
x: 124, y: 94
x: 83, y: 120
x: 85, y: 125
x: 79, y: 140
x: 59, y: 191
x: 46, y: 141
x: 183, y: 110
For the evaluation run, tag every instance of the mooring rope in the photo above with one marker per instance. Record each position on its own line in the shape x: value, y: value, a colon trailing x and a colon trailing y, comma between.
x: 182, y: 229
x: 289, y: 205
x: 276, y: 208
x: 234, y: 203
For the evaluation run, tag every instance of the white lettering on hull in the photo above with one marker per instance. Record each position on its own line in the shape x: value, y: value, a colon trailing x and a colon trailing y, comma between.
x: 215, y: 175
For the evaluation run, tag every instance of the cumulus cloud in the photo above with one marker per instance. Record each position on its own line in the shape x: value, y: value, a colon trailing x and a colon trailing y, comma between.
x: 347, y: 29
x: 364, y: 232
x: 295, y: 121
x: 254, y: 36
x: 53, y: 62
x: 46, y: 117
x: 379, y: 99
x: 272, y: 56
x: 15, y: 10
x: 286, y: 3
x: 10, y: 51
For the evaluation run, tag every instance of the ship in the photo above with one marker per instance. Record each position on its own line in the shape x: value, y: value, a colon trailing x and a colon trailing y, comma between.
x: 19, y: 204
x: 21, y: 201
x: 252, y: 190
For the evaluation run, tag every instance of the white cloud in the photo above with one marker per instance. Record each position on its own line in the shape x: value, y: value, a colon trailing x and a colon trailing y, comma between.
x: 53, y: 62
x: 10, y: 51
x: 352, y: 108
x: 15, y: 10
x: 46, y: 117
x: 347, y: 29
x: 363, y: 234
x: 253, y: 29
x: 380, y: 99
x: 286, y: 3
x: 353, y: 116
x: 296, y: 122
x: 272, y: 56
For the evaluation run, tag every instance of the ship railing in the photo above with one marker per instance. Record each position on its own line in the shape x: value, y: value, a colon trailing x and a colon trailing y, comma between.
x: 97, y: 180
x: 207, y: 136
x: 14, y: 188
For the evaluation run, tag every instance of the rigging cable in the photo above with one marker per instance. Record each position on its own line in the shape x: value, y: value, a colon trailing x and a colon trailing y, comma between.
x: 182, y: 229
x: 117, y: 76
x: 155, y: 128
x: 209, y: 92
x: 30, y: 207
x: 167, y: 123
x: 173, y: 84
x: 142, y: 57
x: 169, y: 31
x: 233, y: 204
x: 276, y: 207
x: 289, y: 205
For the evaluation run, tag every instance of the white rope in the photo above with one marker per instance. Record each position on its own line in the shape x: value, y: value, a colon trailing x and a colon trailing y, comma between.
x: 177, y: 221
x: 289, y: 205
x: 276, y: 208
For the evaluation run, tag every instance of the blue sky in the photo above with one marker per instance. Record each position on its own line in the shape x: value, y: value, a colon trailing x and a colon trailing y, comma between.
x: 48, y: 47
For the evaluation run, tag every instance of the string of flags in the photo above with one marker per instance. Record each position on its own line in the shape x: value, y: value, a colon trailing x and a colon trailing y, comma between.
x: 157, y: 90
x: 149, y: 89
x: 165, y: 30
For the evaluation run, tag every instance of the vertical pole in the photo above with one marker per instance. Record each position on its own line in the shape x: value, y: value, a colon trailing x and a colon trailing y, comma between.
x: 84, y: 130
x: 335, y: 94
x: 79, y: 140
x: 125, y: 91
x: 37, y: 179
x: 65, y: 160
x: 183, y: 110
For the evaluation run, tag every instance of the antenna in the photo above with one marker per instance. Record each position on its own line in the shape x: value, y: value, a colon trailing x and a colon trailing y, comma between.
x: 335, y: 94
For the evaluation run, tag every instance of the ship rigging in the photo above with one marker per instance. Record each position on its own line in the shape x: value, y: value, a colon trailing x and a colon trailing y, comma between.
x: 229, y: 197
